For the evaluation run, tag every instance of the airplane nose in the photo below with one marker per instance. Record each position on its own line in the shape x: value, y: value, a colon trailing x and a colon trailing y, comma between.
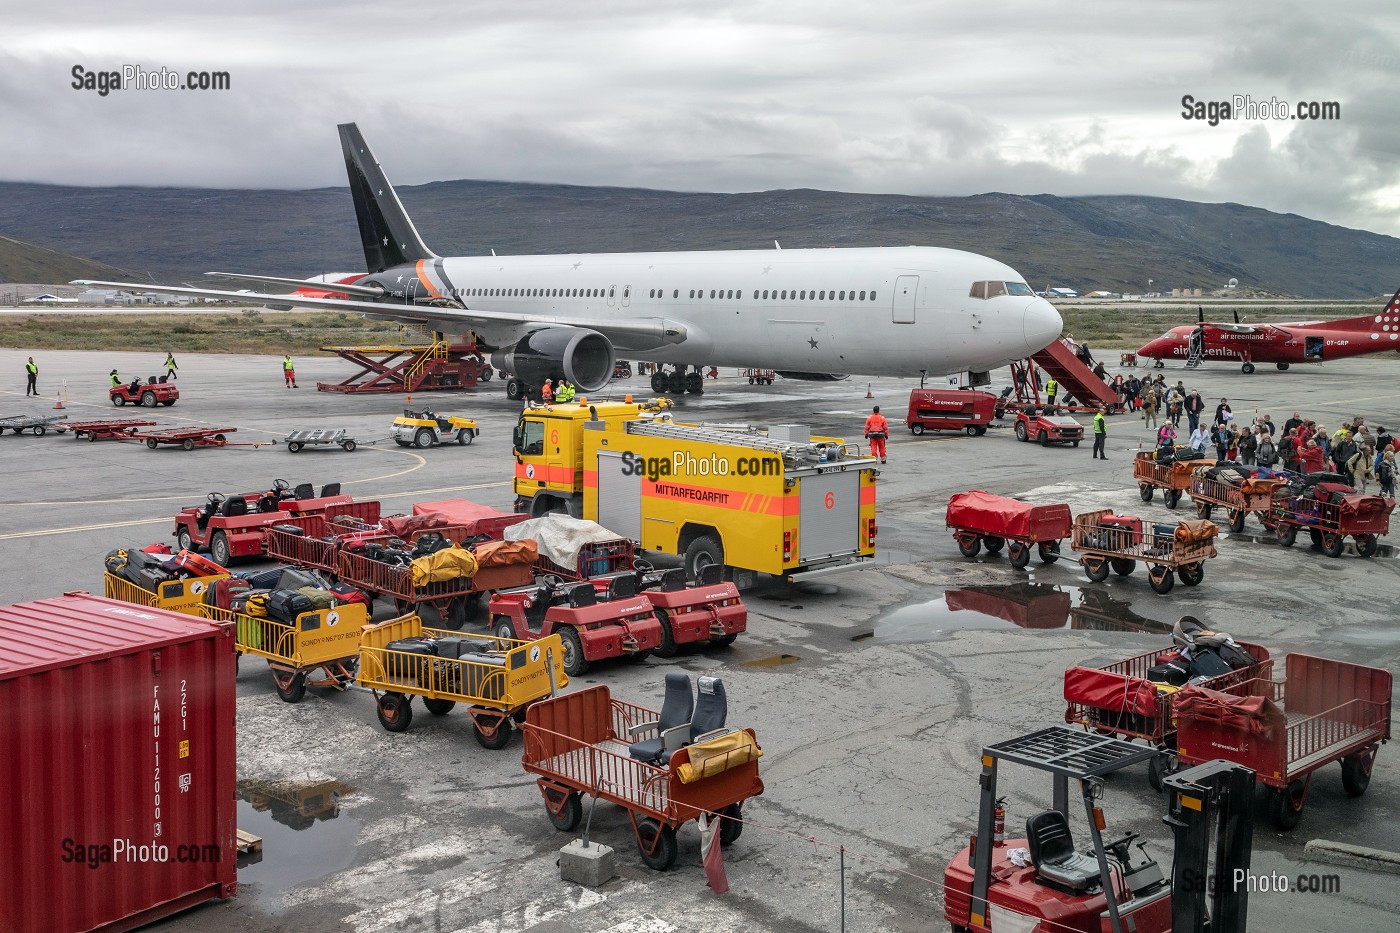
x: 1042, y: 325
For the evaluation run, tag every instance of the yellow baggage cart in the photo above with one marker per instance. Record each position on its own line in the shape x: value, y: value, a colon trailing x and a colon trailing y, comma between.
x: 324, y: 639
x: 186, y: 596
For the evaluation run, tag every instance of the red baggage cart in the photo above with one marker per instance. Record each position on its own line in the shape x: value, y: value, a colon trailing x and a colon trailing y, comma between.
x: 980, y: 518
x: 1360, y: 517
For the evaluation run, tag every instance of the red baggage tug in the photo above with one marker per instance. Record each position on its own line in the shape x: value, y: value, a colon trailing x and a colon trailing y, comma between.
x: 118, y: 760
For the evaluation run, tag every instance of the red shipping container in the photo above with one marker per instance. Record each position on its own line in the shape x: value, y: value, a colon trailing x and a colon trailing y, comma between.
x: 116, y: 762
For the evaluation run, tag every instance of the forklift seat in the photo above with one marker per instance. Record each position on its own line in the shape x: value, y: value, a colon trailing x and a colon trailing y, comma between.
x: 1053, y: 854
x: 676, y: 709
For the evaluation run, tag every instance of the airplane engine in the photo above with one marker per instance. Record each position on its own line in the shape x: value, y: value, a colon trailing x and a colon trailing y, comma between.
x: 583, y: 357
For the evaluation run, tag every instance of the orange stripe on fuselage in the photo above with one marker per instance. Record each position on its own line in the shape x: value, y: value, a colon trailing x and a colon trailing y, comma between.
x: 424, y: 279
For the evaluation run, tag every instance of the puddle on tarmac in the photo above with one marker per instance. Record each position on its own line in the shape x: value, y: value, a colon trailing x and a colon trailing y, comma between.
x: 1034, y: 607
x: 304, y: 836
x: 1304, y: 544
x: 772, y: 661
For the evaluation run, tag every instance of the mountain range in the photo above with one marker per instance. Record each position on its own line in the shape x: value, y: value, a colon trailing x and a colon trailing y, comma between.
x: 1116, y: 243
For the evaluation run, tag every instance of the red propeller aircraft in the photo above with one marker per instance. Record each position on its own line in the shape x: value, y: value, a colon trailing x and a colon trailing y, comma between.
x: 1280, y: 344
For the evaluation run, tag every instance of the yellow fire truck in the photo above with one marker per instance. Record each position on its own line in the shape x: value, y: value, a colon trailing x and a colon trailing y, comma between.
x: 779, y: 502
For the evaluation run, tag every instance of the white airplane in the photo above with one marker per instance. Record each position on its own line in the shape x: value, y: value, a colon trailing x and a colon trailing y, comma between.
x: 903, y: 311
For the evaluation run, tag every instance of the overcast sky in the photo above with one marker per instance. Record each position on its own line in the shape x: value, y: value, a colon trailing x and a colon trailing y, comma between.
x: 894, y: 96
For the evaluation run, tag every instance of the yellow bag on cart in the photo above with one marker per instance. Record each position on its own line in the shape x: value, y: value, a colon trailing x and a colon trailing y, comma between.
x: 448, y: 564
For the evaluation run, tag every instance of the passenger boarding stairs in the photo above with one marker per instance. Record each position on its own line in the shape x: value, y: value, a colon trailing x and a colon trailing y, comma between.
x: 1074, y: 378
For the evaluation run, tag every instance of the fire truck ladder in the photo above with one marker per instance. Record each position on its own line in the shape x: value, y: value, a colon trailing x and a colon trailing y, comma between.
x: 430, y: 364
x: 791, y: 451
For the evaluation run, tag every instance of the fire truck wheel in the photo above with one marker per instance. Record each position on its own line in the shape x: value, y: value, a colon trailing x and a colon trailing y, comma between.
x: 183, y: 539
x: 701, y: 553
x: 290, y: 687
x: 218, y: 549
x: 667, y: 648
x: 1333, y: 544
x: 438, y: 707
x: 1020, y: 554
x: 575, y: 664
x: 656, y: 843
x: 395, y: 711
x: 732, y: 827
x: 570, y: 813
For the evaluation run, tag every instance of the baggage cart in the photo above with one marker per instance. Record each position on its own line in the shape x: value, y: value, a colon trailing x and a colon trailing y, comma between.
x: 579, y: 746
x: 980, y: 519
x: 444, y: 602
x: 318, y: 545
x: 1162, y: 549
x: 598, y: 559
x: 1174, y: 479
x: 498, y: 679
x: 1117, y: 699
x: 38, y: 426
x: 1363, y: 518
x: 183, y: 596
x: 1251, y: 497
x: 1323, y: 711
x: 190, y: 438
x: 319, y: 437
x: 321, y: 639
x: 763, y: 377
x: 118, y: 428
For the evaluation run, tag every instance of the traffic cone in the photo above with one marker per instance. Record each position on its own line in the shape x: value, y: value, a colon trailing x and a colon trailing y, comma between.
x: 58, y: 404
x: 868, y: 393
x: 408, y: 398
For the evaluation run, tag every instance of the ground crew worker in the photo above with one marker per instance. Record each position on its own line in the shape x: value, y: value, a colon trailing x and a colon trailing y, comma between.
x: 547, y: 392
x: 289, y: 372
x: 116, y: 380
x: 1100, y: 434
x: 566, y: 393
x: 877, y: 429
x: 1051, y: 389
x: 170, y: 366
x: 31, y: 371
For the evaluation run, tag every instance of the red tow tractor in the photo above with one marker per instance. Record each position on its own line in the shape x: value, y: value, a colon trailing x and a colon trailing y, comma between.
x: 230, y: 527
x: 593, y: 622
x: 148, y: 395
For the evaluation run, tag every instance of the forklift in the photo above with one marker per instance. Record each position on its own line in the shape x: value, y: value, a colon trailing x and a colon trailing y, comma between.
x: 1004, y: 885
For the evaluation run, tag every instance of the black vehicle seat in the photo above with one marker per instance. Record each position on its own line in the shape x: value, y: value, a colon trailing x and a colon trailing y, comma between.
x: 330, y: 489
x: 581, y: 595
x: 234, y: 506
x: 709, y: 575
x: 676, y: 709
x: 303, y: 491
x: 443, y: 424
x: 1053, y: 854
x: 151, y: 380
x: 623, y: 587
x: 673, y: 580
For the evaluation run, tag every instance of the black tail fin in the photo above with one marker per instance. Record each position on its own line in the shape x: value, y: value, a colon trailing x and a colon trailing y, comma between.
x: 387, y: 235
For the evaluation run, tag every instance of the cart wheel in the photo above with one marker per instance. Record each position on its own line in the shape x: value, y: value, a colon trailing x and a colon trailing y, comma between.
x: 657, y: 844
x: 183, y: 539
x: 1203, y: 510
x: 970, y: 548
x: 1286, y: 805
x: 118, y: 401
x: 1161, y: 579
x: 1021, y: 431
x: 348, y: 446
x: 575, y: 664
x: 1123, y: 566
x: 1367, y: 545
x: 91, y: 436
x: 290, y: 687
x: 731, y: 826
x: 395, y: 711
x: 993, y: 544
x: 498, y: 739
x: 486, y: 373
x: 973, y: 430
x: 218, y: 549
x: 1020, y: 554
x: 151, y: 443
x: 453, y: 619
x: 188, y: 443
x: 570, y: 813
x: 168, y: 402
x: 438, y: 707
x: 1315, y: 536
x: 39, y: 430
x: 1172, y: 497
x: 1043, y: 438
x: 1074, y: 443
x: 916, y: 429
x: 1237, y: 517
x: 1287, y: 534
x: 294, y: 447
x: 1146, y: 491
x: 148, y: 399
x: 1049, y: 551
x: 1333, y: 544
x: 1192, y: 574
x: 1158, y: 768
x: 1095, y: 568
x: 504, y: 628
x: 667, y: 648
x: 464, y: 436
x: 1356, y: 771
x: 423, y: 439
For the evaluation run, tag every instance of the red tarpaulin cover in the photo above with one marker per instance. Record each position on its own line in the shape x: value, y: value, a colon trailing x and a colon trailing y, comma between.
x: 1104, y: 690
x: 979, y: 510
x: 1363, y: 512
x: 1254, y: 714
x: 402, y: 526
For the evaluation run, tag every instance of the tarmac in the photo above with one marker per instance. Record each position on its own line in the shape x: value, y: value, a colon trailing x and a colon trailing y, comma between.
x: 871, y: 692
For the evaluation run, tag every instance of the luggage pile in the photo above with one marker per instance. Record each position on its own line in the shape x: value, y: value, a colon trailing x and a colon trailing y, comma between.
x: 281, y: 594
x: 153, y: 565
x: 426, y: 661
x: 1199, y: 655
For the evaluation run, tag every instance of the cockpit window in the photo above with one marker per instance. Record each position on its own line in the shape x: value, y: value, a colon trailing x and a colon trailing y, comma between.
x: 996, y: 289
x: 1019, y: 289
x: 1167, y: 336
x: 979, y: 290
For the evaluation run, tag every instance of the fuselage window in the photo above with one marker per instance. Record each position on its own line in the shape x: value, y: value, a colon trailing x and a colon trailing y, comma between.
x: 802, y: 295
x: 712, y: 293
x: 872, y: 296
x: 785, y: 294
x: 862, y: 296
x: 730, y: 295
x: 675, y: 293
x: 822, y: 296
x: 692, y: 293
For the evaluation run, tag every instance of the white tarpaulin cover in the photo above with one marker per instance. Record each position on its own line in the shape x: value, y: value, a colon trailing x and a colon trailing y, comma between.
x: 560, y: 538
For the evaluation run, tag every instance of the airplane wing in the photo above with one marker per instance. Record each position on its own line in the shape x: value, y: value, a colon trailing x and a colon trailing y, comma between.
x: 659, y: 329
x: 344, y: 288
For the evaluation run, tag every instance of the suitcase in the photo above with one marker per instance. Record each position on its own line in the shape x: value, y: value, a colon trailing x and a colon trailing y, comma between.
x: 1206, y: 663
x: 224, y: 593
x: 408, y: 658
x: 1170, y: 673
x: 150, y: 578
x: 1164, y: 530
x: 290, y: 529
x: 454, y: 647
x: 320, y: 599
x: 256, y: 605
x: 261, y: 579
x: 293, y: 579
x: 1129, y: 523
x: 286, y: 605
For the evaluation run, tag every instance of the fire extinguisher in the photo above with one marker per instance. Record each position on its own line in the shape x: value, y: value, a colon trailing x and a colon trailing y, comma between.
x: 999, y: 824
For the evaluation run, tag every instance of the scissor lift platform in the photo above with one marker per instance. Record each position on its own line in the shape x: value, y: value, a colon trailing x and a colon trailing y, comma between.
x: 427, y: 367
